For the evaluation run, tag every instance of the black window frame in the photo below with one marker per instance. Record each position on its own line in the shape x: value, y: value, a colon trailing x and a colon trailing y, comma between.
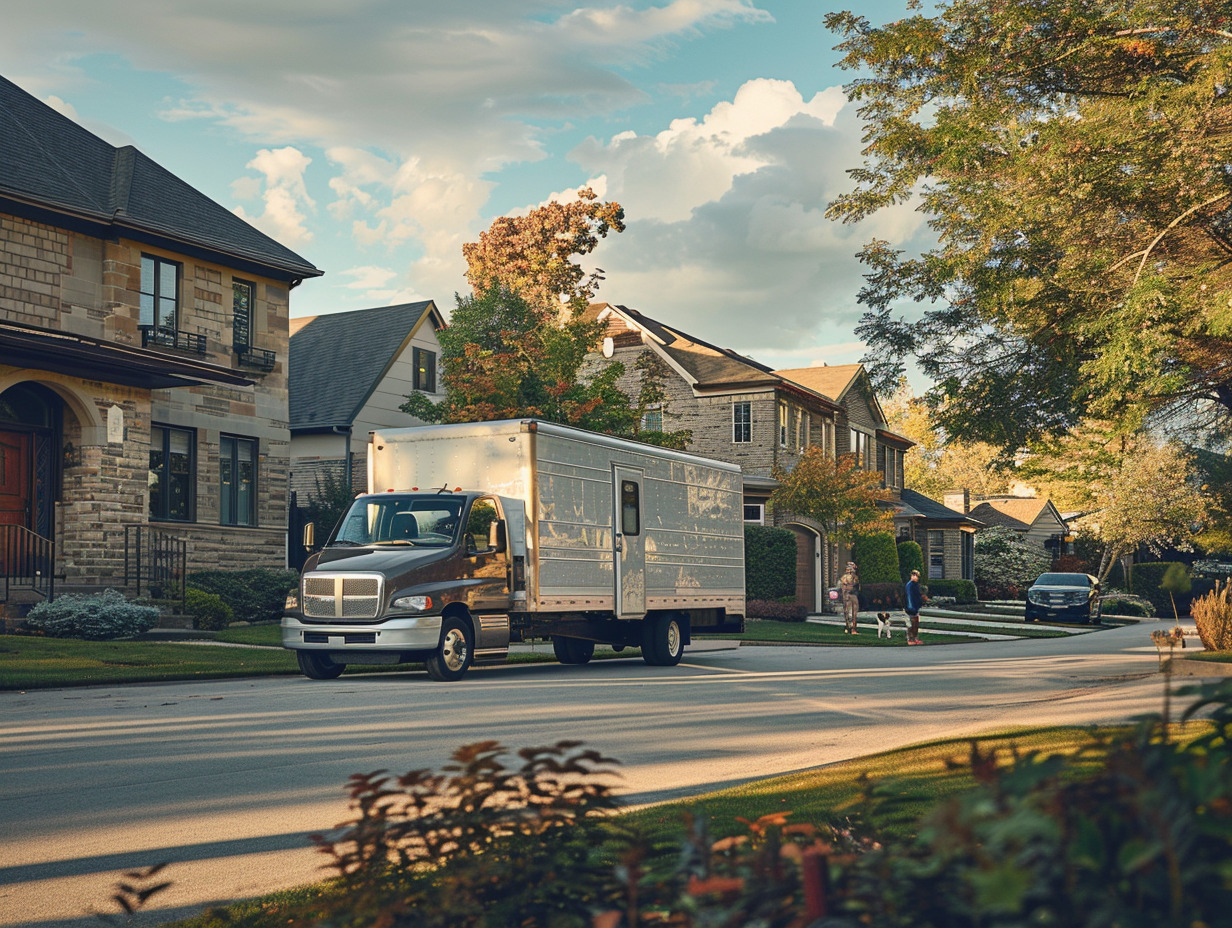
x: 742, y: 425
x: 228, y: 501
x: 161, y: 477
x: 151, y: 289
x: 241, y: 337
x: 421, y: 380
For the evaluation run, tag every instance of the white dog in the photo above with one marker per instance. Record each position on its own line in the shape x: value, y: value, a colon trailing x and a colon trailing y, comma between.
x: 884, y: 625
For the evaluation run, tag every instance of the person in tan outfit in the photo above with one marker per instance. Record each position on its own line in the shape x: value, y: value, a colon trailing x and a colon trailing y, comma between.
x: 849, y: 586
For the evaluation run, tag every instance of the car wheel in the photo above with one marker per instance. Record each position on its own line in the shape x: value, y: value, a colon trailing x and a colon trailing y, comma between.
x: 453, y: 656
x: 662, y: 641
x: 318, y: 666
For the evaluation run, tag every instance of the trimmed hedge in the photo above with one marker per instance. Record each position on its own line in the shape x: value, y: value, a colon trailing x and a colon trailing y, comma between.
x: 255, y: 595
x: 882, y: 596
x: 877, y: 557
x: 781, y: 612
x: 769, y: 563
x: 208, y: 611
x: 910, y: 557
x: 963, y: 591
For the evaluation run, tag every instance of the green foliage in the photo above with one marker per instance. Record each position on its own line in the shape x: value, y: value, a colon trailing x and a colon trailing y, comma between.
x: 1148, y: 582
x: 877, y: 557
x: 910, y: 557
x: 769, y: 563
x: 1005, y: 565
x: 836, y: 493
x: 1126, y: 604
x: 1070, y: 162
x: 255, y: 595
x: 94, y: 617
x: 478, y: 844
x: 329, y: 501
x: 963, y: 591
x: 208, y: 611
x: 776, y: 611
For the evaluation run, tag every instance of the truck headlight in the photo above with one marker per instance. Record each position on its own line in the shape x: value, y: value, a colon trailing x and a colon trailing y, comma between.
x: 292, y: 603
x: 413, y: 603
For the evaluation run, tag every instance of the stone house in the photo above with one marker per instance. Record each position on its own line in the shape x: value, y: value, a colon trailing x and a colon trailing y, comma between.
x: 746, y: 413
x: 143, y: 363
x: 387, y: 353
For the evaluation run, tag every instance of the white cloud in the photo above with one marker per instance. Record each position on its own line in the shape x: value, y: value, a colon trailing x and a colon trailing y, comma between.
x: 284, y: 195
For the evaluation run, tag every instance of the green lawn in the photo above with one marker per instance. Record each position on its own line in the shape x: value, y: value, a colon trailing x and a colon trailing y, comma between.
x: 770, y: 630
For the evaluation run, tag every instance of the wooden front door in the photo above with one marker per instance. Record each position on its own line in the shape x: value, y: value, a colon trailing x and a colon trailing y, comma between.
x: 16, y: 484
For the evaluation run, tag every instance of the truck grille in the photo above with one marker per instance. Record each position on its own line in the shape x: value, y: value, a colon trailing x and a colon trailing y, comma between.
x: 346, y: 597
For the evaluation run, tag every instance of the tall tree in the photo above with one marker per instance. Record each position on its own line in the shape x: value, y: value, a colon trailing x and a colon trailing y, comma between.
x: 1072, y: 159
x: 835, y: 492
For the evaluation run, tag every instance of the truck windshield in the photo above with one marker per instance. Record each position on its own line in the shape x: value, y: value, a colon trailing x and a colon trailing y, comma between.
x: 428, y: 521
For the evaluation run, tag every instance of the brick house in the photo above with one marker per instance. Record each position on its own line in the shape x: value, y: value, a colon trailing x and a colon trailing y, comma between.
x: 748, y: 414
x: 387, y: 353
x: 143, y: 362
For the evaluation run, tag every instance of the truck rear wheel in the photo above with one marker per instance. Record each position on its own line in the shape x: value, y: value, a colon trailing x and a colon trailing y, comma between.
x: 455, y: 653
x: 662, y: 640
x: 318, y: 666
x: 572, y: 650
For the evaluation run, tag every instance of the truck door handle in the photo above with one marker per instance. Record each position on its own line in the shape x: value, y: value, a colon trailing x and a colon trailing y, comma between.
x: 620, y: 542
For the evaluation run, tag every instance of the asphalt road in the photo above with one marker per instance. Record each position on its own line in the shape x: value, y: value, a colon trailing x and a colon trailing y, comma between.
x: 227, y: 779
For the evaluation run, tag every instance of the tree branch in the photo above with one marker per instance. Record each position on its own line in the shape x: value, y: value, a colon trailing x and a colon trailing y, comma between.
x: 1172, y: 225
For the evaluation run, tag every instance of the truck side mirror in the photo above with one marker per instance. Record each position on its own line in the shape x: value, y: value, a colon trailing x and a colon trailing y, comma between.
x: 496, y: 537
x: 310, y: 536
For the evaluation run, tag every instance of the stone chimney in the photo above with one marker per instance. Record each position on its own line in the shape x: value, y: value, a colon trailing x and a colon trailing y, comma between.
x: 958, y: 500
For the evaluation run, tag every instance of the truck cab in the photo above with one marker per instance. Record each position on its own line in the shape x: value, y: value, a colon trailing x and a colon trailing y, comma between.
x: 415, y: 576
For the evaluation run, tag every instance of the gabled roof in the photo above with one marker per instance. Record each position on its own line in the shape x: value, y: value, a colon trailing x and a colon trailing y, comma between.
x: 1016, y: 512
x: 338, y: 360
x: 54, y: 171
x: 706, y: 367
x: 833, y: 382
x: 917, y: 504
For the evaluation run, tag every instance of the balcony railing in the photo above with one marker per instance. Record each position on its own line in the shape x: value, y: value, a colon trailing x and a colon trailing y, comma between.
x: 155, y: 561
x: 27, y: 561
x: 170, y: 338
x: 259, y: 358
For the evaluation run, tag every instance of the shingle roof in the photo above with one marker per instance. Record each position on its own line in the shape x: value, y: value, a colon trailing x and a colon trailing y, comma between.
x: 47, y: 160
x: 929, y: 508
x: 337, y: 360
x: 828, y: 381
x: 1018, y: 512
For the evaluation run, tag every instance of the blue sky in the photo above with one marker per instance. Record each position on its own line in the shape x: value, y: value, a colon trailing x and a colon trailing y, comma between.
x: 376, y: 137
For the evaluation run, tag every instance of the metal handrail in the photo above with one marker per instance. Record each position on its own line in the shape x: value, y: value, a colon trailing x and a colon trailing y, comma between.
x: 27, y: 560
x: 156, y: 559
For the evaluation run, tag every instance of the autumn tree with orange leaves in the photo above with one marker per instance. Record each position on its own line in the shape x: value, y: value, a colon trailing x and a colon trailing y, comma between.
x: 515, y: 346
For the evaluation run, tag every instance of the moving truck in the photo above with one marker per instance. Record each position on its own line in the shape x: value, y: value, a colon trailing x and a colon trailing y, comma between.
x: 473, y: 536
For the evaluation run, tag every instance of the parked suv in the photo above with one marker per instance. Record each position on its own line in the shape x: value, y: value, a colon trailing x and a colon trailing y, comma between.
x: 1064, y: 597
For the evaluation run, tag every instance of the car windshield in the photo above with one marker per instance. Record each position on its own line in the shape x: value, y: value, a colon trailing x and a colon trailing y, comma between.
x: 1063, y: 580
x: 426, y: 520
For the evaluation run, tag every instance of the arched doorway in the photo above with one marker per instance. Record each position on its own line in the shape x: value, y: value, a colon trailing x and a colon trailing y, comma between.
x: 30, y: 427
x: 811, y: 566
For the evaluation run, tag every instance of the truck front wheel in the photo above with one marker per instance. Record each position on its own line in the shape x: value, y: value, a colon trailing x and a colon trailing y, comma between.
x: 662, y: 640
x: 318, y: 666
x: 453, y: 656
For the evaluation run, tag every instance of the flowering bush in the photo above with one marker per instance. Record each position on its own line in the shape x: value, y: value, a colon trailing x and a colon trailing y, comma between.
x: 1003, y: 560
x: 95, y: 617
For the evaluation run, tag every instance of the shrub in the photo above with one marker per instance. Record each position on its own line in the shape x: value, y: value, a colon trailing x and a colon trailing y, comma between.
x: 208, y: 611
x: 877, y: 557
x: 769, y: 562
x: 1002, y: 592
x: 963, y: 591
x: 882, y: 595
x: 1003, y: 561
x: 1117, y: 603
x: 1212, y: 614
x: 255, y: 595
x: 95, y: 617
x: 780, y: 612
x: 1148, y: 582
x: 910, y: 557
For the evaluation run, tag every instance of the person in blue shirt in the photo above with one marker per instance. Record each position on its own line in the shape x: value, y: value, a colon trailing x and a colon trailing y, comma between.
x: 915, y: 601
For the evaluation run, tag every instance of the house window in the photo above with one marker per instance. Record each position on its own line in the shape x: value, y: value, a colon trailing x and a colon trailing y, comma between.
x: 936, y: 555
x: 755, y: 513
x: 243, y: 297
x: 782, y: 425
x: 172, y: 474
x: 160, y: 294
x: 237, y: 477
x: 862, y: 450
x: 801, y: 430
x: 652, y: 421
x: 742, y: 423
x: 424, y: 362
x: 892, y: 465
x: 827, y: 437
